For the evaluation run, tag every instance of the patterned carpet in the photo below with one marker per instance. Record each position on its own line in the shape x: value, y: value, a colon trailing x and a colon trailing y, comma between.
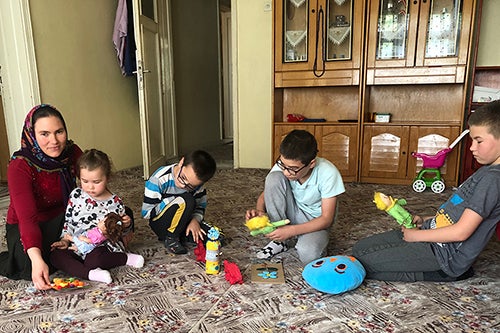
x: 173, y: 293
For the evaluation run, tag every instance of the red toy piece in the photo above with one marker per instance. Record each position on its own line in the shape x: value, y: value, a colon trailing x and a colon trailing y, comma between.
x: 200, y: 251
x: 294, y: 117
x: 232, y: 273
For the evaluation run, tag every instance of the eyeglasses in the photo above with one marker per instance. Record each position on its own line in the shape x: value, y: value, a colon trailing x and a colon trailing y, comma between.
x: 183, y: 180
x: 291, y: 171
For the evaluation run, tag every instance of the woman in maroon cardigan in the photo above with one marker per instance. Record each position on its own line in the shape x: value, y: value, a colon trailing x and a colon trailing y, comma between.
x: 40, y: 176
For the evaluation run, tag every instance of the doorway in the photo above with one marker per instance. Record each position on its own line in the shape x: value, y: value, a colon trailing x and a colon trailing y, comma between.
x: 201, y: 46
x: 226, y: 64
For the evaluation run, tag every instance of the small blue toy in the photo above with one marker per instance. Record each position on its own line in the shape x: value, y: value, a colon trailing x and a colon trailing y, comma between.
x: 335, y: 274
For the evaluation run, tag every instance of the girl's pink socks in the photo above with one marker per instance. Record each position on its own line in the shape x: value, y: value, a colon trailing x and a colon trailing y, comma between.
x: 100, y: 275
x: 135, y: 260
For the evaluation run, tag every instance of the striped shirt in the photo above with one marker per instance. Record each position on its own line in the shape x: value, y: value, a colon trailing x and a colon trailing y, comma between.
x: 160, y: 190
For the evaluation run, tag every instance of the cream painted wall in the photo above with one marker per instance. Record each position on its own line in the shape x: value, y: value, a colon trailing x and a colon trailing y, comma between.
x: 254, y: 49
x: 489, y: 52
x: 79, y: 74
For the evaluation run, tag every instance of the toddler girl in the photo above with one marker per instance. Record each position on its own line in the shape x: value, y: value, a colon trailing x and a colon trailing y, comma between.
x: 87, y: 205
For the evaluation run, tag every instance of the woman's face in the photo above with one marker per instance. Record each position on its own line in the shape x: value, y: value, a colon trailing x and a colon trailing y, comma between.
x: 50, y: 135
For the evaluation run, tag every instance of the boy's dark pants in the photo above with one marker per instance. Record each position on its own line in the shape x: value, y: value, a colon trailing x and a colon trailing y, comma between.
x: 175, y: 218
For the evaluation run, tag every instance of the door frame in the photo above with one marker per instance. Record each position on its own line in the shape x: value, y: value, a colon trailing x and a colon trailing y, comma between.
x: 155, y: 85
x: 20, y: 87
x: 226, y: 87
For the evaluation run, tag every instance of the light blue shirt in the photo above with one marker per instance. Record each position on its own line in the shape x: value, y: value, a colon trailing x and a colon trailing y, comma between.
x: 324, y: 182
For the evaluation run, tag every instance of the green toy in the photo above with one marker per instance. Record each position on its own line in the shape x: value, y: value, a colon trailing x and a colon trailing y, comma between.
x: 260, y: 225
x: 394, y: 207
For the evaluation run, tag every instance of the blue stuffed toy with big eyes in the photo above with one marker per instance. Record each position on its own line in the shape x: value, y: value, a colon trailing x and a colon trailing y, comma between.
x: 335, y: 274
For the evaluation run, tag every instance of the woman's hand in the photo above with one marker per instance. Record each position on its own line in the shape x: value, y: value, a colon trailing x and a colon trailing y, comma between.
x: 39, y: 269
x: 194, y: 229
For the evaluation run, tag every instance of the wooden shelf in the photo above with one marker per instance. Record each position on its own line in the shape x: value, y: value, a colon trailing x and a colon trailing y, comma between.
x: 414, y: 123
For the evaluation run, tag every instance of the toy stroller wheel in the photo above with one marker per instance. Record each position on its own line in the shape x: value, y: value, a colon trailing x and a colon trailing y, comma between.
x: 419, y: 185
x: 437, y: 186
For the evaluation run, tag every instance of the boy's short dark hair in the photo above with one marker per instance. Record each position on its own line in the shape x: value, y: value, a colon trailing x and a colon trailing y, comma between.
x: 487, y: 115
x: 203, y: 164
x: 299, y: 145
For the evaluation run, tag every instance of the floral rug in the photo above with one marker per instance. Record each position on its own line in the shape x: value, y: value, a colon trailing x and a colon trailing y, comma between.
x: 174, y: 294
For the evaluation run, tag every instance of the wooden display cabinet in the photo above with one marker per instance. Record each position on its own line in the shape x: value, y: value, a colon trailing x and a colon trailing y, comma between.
x: 418, y: 41
x: 387, y: 152
x: 318, y: 42
x: 410, y: 63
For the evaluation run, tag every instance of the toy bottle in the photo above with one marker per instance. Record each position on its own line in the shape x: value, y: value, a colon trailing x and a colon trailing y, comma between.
x: 212, y: 265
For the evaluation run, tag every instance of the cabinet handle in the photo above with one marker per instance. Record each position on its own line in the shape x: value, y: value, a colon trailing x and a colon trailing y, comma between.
x: 415, y: 2
x: 320, y: 22
x: 403, y: 153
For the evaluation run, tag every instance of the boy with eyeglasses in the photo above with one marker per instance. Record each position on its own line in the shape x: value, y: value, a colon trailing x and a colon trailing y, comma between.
x: 175, y: 200
x: 302, y: 188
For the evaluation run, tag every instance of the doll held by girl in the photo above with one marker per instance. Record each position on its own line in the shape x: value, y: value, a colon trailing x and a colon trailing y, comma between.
x: 110, y: 228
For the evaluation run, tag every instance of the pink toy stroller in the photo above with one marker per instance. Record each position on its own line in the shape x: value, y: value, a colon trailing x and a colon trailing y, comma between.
x: 431, y: 165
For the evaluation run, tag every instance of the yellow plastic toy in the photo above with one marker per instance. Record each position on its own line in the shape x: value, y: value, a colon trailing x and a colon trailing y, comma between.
x: 394, y: 207
x: 262, y: 225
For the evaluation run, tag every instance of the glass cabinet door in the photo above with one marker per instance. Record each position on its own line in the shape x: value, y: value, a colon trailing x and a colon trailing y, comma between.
x: 443, y: 29
x: 295, y: 30
x: 318, y: 42
x: 428, y: 38
x: 392, y: 30
x: 442, y: 19
x: 339, y: 30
